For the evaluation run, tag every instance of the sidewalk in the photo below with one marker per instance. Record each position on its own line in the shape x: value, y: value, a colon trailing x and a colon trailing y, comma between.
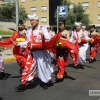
x: 8, y: 55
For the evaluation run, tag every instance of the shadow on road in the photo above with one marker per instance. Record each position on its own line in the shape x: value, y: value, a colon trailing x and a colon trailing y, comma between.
x: 1, y: 98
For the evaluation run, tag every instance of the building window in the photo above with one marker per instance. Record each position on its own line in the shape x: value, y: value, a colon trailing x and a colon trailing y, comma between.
x: 71, y: 6
x: 98, y: 16
x: 85, y: 5
x: 33, y: 9
x: 43, y: 19
x: 22, y: 0
x: 43, y: 8
x: 33, y: 0
x: 99, y: 4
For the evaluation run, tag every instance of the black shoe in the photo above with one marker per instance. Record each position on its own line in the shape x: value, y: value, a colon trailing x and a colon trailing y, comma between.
x: 77, y: 67
x: 65, y: 74
x: 45, y: 86
x: 92, y: 60
x: 59, y: 80
x: 20, y: 88
x: 4, y: 76
x: 82, y: 67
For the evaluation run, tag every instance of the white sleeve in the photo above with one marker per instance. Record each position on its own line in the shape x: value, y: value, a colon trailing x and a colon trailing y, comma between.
x: 86, y: 36
x: 24, y: 44
x: 45, y: 33
x: 72, y: 39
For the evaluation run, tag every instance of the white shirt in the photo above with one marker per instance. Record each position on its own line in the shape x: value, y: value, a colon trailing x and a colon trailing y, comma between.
x: 35, y: 32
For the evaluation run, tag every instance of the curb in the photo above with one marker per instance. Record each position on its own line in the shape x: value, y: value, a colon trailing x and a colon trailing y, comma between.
x: 9, y: 59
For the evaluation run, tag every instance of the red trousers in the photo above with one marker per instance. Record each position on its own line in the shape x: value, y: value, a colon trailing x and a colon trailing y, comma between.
x: 93, y: 52
x: 72, y: 54
x: 61, y: 63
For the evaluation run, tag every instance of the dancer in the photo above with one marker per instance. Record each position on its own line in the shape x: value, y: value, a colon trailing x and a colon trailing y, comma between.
x: 37, y: 56
x: 80, y: 38
x: 93, y: 44
x: 18, y: 36
x: 2, y: 73
x: 63, y: 47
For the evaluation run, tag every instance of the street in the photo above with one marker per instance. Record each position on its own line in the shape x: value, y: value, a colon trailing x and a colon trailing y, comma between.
x: 75, y: 87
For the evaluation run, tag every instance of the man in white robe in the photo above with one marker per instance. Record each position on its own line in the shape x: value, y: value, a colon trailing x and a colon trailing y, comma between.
x: 41, y: 58
x: 82, y: 38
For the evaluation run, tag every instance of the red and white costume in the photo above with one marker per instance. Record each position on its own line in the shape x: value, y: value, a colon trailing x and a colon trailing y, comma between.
x: 1, y: 61
x: 37, y: 58
x: 94, y: 44
x: 83, y: 37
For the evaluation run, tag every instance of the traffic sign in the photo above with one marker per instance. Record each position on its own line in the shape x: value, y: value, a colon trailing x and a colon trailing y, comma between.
x: 62, y: 11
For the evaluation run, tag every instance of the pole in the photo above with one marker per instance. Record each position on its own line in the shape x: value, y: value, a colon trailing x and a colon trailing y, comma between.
x: 17, y: 15
x: 57, y: 20
x: 63, y: 2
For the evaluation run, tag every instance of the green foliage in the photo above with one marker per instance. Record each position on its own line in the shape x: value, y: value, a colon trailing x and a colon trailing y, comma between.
x: 8, y: 11
x: 5, y: 32
x: 77, y: 14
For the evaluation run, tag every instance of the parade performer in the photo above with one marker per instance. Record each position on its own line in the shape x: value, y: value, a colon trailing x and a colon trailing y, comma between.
x: 79, y: 38
x: 94, y: 43
x: 63, y: 47
x: 2, y: 73
x: 52, y: 54
x: 38, y: 57
x: 52, y: 33
x: 18, y: 36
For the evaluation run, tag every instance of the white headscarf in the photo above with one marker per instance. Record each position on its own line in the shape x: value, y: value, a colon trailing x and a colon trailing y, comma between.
x: 77, y: 23
x: 34, y: 16
x: 84, y: 27
x: 48, y: 26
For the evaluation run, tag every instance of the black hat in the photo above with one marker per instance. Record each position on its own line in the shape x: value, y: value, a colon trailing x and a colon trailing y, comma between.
x: 20, y: 22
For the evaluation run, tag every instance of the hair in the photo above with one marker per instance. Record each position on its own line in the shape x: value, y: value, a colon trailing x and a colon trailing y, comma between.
x: 20, y: 22
x: 62, y: 22
x: 93, y: 26
x: 96, y: 30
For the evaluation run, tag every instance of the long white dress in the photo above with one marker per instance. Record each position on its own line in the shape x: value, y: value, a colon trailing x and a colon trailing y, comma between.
x: 41, y: 57
x: 83, y: 47
x: 1, y: 61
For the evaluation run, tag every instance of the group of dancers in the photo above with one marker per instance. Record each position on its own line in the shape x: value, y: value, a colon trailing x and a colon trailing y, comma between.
x: 35, y: 48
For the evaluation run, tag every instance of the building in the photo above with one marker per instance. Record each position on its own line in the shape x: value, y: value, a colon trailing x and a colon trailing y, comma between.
x: 45, y: 9
x: 1, y: 1
x: 92, y: 8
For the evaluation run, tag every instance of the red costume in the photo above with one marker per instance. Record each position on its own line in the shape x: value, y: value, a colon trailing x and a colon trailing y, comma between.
x: 94, y: 45
x: 62, y: 61
x: 19, y: 53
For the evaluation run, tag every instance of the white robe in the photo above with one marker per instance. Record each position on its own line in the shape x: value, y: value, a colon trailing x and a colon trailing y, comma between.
x: 1, y: 64
x: 42, y: 58
x: 83, y: 47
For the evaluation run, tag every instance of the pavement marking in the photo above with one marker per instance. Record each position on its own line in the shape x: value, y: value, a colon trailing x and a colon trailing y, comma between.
x: 9, y: 59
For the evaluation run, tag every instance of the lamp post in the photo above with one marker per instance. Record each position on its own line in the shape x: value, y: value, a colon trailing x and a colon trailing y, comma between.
x: 63, y: 2
x: 17, y: 15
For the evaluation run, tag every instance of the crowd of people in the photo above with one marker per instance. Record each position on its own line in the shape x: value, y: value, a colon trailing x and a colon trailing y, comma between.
x: 36, y: 48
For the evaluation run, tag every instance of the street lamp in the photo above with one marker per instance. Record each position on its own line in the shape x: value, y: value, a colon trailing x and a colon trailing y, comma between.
x: 17, y: 15
x: 63, y: 2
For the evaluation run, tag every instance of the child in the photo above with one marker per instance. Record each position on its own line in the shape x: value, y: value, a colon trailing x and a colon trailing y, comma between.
x: 2, y: 74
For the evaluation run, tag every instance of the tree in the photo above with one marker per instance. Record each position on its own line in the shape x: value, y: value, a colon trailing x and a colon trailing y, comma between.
x: 77, y: 14
x: 7, y: 11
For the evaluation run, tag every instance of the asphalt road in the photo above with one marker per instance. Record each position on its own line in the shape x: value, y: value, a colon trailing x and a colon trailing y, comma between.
x: 75, y: 87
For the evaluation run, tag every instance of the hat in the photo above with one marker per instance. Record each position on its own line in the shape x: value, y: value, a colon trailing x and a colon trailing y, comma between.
x: 77, y: 23
x: 83, y: 26
x: 0, y: 37
x: 48, y: 26
x: 34, y: 16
